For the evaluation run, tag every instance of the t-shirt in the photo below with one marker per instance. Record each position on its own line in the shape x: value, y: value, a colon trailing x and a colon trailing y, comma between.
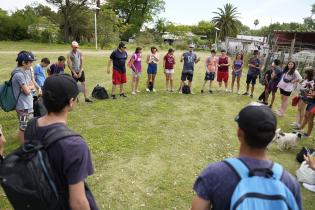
x: 286, y: 82
x: 119, y: 60
x: 22, y: 77
x: 169, y: 61
x: 278, y: 74
x: 189, y: 61
x: 223, y: 60
x: 251, y: 70
x: 153, y: 58
x: 56, y: 69
x: 238, y: 65
x: 218, y: 181
x: 211, y: 63
x: 71, y: 162
x: 137, y: 61
x: 75, y: 58
x: 39, y: 73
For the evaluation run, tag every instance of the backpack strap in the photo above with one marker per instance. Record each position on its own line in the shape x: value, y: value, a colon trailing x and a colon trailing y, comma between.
x: 277, y: 170
x: 30, y: 132
x: 239, y: 167
x: 56, y: 134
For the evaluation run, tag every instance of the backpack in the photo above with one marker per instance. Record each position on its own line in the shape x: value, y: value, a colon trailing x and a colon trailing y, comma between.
x: 26, y: 175
x: 186, y: 89
x: 260, y: 192
x: 99, y: 92
x: 7, y: 98
x: 38, y: 107
x: 129, y: 62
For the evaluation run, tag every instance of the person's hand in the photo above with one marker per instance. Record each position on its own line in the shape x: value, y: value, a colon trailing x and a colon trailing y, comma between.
x: 108, y: 71
x: 310, y: 160
x: 80, y: 74
x: 40, y: 92
x: 2, y: 141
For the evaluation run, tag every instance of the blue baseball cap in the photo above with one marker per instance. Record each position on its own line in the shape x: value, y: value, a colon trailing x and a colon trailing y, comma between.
x: 25, y: 56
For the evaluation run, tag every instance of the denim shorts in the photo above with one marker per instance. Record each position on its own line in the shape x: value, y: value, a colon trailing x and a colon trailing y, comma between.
x: 152, y: 68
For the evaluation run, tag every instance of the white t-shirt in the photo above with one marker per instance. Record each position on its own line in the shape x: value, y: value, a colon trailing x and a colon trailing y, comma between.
x: 291, y: 81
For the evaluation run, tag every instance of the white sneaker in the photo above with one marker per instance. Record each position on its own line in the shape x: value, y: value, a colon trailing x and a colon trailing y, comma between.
x: 309, y: 187
x: 238, y: 92
x: 147, y: 89
x: 227, y: 90
x: 138, y: 91
x: 154, y: 90
x: 133, y: 93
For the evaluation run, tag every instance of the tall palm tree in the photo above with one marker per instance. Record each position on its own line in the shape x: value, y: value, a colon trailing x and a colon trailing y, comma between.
x: 227, y: 20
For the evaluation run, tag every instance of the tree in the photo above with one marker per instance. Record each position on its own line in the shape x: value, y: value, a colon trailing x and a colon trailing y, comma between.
x: 310, y: 21
x: 227, y: 21
x: 135, y: 13
x: 204, y: 28
x: 256, y: 22
x: 68, y: 9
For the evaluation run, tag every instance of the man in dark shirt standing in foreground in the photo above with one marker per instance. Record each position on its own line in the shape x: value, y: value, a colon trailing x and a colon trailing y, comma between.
x: 69, y: 158
x: 256, y: 128
x: 118, y: 58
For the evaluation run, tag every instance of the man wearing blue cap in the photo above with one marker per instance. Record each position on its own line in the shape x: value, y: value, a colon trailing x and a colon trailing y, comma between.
x: 22, y: 89
x: 216, y: 185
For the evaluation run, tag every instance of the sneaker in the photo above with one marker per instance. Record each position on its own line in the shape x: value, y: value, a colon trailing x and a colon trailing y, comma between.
x: 309, y: 187
x: 180, y: 92
x: 238, y: 93
x: 279, y: 113
x: 154, y: 90
x: 133, y: 93
x: 123, y: 95
x: 201, y: 91
x: 227, y: 90
x: 147, y: 89
x: 138, y: 91
x: 251, y: 95
x: 114, y: 96
x: 87, y: 100
x: 270, y: 106
x: 171, y: 90
x: 210, y: 91
x: 245, y: 94
x: 305, y: 136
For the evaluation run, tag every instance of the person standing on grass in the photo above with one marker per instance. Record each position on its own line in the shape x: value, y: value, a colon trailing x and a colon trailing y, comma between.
x: 237, y: 72
x: 215, y: 186
x: 168, y: 65
x: 70, y: 158
x: 211, y: 68
x: 39, y: 71
x: 189, y: 58
x: 118, y: 59
x: 254, y: 66
x: 275, y: 78
x: 290, y: 77
x: 223, y: 70
x: 306, y: 87
x: 57, y: 68
x: 136, y: 69
x: 23, y: 88
x: 75, y: 64
x: 152, y: 61
x: 2, y: 142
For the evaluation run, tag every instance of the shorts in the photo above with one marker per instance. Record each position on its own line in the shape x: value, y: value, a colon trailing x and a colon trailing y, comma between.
x: 251, y: 79
x: 310, y: 108
x: 152, y: 68
x: 81, y: 79
x: 135, y: 74
x: 236, y: 73
x: 272, y: 87
x: 223, y: 76
x: 23, y: 116
x: 209, y: 76
x: 187, y: 76
x: 118, y: 78
x: 285, y: 93
x: 169, y: 71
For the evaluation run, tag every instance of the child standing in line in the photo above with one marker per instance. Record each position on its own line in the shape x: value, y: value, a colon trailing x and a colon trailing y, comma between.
x: 211, y: 68
x: 136, y: 69
x: 57, y: 68
x: 152, y: 60
x: 237, y: 72
x: 168, y: 65
x: 39, y: 71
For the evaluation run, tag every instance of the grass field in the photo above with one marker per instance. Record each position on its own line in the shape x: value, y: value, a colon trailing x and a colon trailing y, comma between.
x: 148, y: 149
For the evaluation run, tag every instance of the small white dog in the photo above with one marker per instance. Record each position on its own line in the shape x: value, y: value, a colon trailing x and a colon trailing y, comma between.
x: 286, y: 140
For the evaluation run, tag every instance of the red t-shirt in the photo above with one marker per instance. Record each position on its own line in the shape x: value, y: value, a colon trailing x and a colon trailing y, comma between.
x: 169, y: 61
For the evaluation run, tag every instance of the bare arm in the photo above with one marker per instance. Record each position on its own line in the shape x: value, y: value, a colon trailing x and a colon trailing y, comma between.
x: 109, y: 65
x: 81, y: 63
x: 200, y: 204
x: 69, y: 63
x: 181, y: 58
x: 26, y: 89
x: 197, y: 60
x: 77, y: 197
x: 148, y: 59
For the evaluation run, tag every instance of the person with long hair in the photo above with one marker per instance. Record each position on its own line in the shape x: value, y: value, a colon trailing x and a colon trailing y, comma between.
x: 168, y: 65
x: 237, y: 68
x: 290, y: 78
x: 306, y: 86
x: 136, y: 69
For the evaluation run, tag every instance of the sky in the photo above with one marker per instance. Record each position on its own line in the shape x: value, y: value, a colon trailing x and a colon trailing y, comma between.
x: 191, y: 12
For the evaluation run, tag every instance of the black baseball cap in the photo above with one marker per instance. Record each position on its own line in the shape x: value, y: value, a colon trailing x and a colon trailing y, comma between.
x: 61, y: 87
x: 121, y: 45
x: 256, y: 118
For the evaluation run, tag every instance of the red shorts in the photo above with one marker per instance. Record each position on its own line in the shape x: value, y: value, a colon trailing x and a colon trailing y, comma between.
x: 118, y: 77
x: 222, y: 76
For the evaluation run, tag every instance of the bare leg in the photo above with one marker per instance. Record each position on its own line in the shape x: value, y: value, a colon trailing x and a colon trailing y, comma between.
x: 84, y: 89
x: 310, y: 124
x: 113, y: 89
x: 238, y: 84
x: 137, y: 83
x: 232, y: 83
x: 204, y: 84
x: 305, y: 120
x: 252, y: 89
x: 121, y: 87
x: 273, y: 97
x: 21, y: 136
x: 171, y: 81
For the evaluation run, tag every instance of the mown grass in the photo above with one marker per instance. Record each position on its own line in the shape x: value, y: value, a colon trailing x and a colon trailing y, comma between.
x: 148, y: 149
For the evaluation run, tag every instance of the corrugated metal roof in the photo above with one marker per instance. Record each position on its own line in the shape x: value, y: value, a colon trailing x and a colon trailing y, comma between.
x: 295, y: 31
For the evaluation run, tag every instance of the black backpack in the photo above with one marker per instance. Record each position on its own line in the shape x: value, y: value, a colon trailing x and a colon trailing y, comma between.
x: 186, y: 89
x: 38, y: 107
x: 99, y: 92
x: 26, y: 175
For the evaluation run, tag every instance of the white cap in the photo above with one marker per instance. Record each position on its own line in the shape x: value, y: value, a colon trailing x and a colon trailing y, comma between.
x: 75, y: 44
x: 191, y: 46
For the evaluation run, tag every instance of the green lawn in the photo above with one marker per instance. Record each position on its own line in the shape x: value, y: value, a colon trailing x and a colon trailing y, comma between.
x: 148, y: 149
